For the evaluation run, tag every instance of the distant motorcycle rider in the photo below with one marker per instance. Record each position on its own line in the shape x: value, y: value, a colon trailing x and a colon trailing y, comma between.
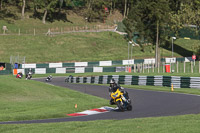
x: 69, y: 78
x: 113, y: 87
x: 49, y: 78
x: 29, y: 75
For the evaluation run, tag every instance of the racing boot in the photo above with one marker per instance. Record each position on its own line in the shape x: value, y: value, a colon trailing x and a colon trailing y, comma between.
x: 112, y: 102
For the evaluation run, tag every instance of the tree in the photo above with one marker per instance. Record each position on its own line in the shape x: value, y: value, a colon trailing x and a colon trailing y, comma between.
x: 1, y: 4
x: 125, y: 8
x: 23, y: 8
x: 150, y: 19
x: 95, y: 10
x: 48, y: 6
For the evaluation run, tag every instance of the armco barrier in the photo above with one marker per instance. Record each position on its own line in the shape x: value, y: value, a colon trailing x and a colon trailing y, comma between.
x: 178, y: 82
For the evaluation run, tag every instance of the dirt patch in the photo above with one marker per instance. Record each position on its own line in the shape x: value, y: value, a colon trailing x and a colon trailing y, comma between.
x: 115, y: 17
x: 1, y: 52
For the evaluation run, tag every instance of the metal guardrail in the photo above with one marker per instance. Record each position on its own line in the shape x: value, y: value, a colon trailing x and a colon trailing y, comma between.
x: 168, y: 81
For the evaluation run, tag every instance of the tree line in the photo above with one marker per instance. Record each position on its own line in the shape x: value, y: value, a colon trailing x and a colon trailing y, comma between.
x: 153, y: 19
x: 93, y: 10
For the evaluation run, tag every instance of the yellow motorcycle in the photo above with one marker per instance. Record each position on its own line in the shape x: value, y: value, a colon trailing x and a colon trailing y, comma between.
x: 121, y: 100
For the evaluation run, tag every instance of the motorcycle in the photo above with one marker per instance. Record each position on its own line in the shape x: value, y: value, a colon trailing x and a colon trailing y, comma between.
x: 67, y: 79
x: 19, y: 75
x: 121, y: 101
x: 48, y: 79
x: 28, y: 76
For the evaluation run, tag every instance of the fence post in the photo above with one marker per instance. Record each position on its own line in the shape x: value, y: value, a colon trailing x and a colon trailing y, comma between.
x: 134, y: 68
x: 163, y: 67
x: 34, y: 32
x: 177, y: 66
x: 19, y: 32
x: 153, y: 67
x: 142, y: 67
x: 191, y: 63
x: 184, y: 67
x: 158, y: 67
x: 199, y: 66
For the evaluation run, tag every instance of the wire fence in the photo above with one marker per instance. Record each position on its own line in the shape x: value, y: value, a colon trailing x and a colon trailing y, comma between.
x: 178, y: 67
x: 57, y: 30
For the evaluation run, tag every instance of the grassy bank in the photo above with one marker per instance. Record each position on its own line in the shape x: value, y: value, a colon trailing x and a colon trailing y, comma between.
x: 73, y: 47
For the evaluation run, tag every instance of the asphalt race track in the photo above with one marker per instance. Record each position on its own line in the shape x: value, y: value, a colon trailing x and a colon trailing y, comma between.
x: 145, y: 103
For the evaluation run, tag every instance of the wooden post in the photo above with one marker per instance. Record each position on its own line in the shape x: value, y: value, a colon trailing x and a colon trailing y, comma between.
x: 191, y: 66
x: 4, y: 29
x: 153, y: 67
x: 163, y: 68
x: 34, y: 32
x: 139, y: 69
x: 158, y: 67
x: 184, y: 67
x: 199, y: 66
x: 177, y: 66
x: 142, y: 67
x: 134, y: 68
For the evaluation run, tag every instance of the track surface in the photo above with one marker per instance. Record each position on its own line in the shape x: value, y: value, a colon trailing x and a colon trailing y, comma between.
x: 145, y: 103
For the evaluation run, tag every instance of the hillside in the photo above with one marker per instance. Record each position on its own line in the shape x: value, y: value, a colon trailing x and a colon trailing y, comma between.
x: 77, y: 46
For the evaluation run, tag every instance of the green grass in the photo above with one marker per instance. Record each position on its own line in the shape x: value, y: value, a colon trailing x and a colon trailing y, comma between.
x: 73, y: 47
x: 64, y: 48
x: 175, y: 124
x: 28, y: 99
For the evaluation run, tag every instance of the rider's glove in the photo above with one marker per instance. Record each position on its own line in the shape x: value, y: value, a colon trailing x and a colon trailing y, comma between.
x: 124, y: 99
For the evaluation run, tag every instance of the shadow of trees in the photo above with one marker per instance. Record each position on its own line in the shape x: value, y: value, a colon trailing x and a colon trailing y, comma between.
x: 8, y: 15
x: 53, y: 16
x: 177, y: 49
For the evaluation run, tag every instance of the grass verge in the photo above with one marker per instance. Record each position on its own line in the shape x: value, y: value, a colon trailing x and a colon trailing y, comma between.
x: 27, y: 100
x: 175, y: 124
x: 20, y: 99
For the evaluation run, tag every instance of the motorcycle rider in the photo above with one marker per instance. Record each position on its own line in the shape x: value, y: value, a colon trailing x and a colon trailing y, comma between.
x: 49, y: 78
x: 19, y: 75
x: 68, y: 78
x: 29, y: 75
x: 113, y: 87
